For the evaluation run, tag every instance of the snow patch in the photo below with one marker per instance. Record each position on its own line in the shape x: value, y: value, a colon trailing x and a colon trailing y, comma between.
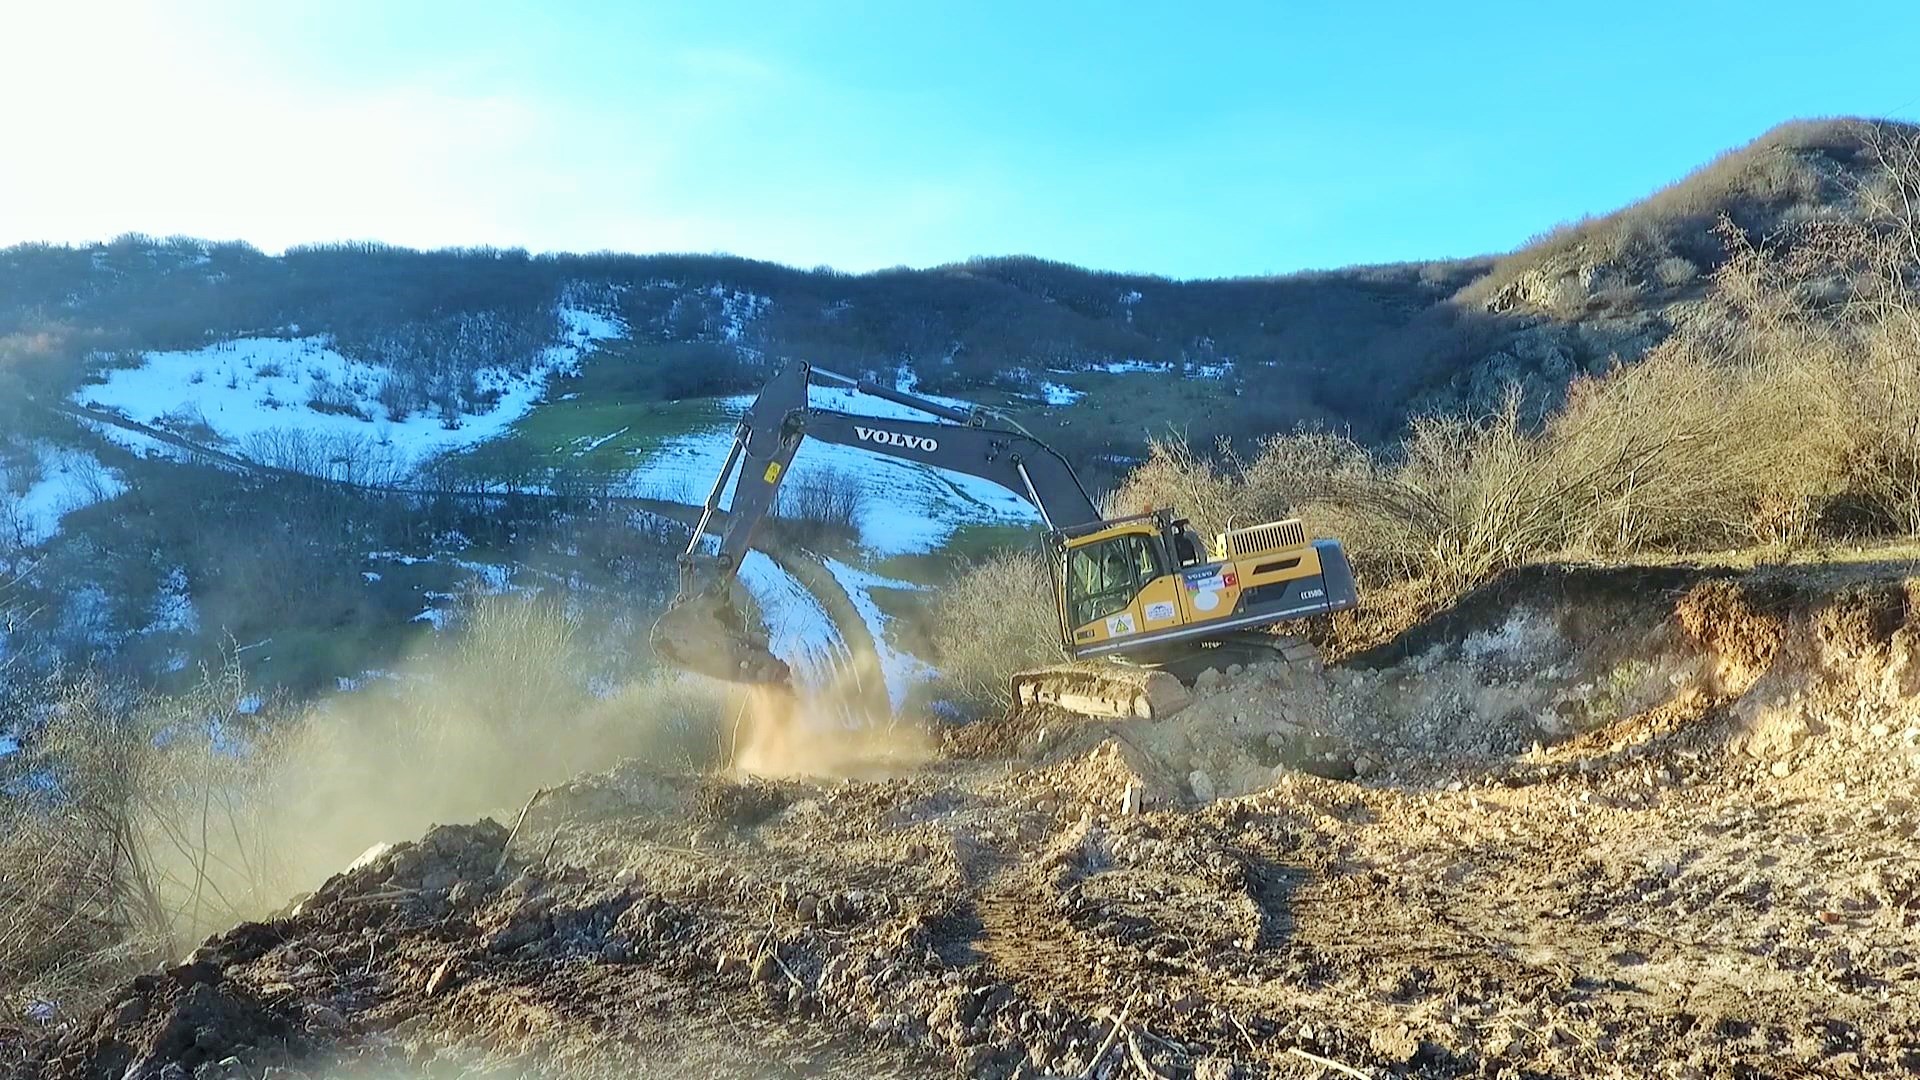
x: 172, y: 611
x: 1218, y: 370
x: 799, y: 630
x: 66, y: 480
x: 592, y: 444
x: 1056, y: 394
x: 241, y: 389
x: 901, y: 669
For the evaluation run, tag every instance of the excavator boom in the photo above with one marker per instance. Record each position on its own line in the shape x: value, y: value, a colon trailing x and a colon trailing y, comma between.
x: 704, y: 630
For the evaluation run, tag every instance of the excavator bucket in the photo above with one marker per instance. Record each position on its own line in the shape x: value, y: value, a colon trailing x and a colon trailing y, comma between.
x: 1100, y: 690
x: 704, y: 632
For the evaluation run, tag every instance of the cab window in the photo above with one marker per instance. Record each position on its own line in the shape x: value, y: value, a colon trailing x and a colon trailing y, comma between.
x: 1103, y: 578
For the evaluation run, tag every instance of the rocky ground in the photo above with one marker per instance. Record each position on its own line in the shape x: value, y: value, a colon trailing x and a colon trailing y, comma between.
x: 1646, y: 822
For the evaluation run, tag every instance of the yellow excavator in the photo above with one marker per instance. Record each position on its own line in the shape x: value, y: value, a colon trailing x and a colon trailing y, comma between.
x: 1143, y: 590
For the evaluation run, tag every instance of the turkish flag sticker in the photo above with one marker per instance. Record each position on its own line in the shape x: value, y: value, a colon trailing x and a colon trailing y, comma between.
x: 1230, y: 579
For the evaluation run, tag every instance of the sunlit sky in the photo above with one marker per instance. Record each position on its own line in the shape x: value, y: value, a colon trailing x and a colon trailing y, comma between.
x: 1188, y: 140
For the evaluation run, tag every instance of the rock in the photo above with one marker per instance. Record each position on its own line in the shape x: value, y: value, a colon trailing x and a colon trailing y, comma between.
x: 200, y: 972
x: 326, y: 1016
x: 765, y: 969
x: 130, y: 1012
x: 1365, y: 766
x: 975, y: 1059
x: 1214, y: 1068
x: 1777, y: 734
x: 369, y: 857
x: 1131, y: 798
x: 441, y: 979
x: 1234, y: 671
x: 1781, y: 770
x: 1202, y: 785
x: 1210, y: 679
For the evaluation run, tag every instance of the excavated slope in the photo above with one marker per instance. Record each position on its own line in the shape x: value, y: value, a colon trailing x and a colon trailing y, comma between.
x: 1588, y: 823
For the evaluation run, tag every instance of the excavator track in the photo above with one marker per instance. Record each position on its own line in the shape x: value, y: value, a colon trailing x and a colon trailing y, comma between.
x: 1119, y: 690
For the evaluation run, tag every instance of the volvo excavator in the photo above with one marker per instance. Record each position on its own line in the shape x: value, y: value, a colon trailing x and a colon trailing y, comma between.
x: 1144, y: 590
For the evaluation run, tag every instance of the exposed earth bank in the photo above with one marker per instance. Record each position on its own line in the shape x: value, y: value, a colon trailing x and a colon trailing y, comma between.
x: 1589, y: 822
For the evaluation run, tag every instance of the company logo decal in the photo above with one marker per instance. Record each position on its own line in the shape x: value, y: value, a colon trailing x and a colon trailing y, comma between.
x: 895, y: 438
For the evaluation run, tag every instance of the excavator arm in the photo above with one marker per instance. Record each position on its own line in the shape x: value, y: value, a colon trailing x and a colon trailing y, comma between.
x: 704, y: 631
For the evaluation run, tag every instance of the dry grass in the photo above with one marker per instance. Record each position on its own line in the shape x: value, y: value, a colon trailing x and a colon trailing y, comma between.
x: 1789, y: 175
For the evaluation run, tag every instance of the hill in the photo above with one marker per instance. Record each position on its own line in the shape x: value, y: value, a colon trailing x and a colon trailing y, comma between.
x: 151, y: 375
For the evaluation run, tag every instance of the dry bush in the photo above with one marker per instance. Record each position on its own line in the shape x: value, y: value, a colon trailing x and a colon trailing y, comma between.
x: 994, y: 619
x: 125, y: 835
x: 1675, y: 452
x: 359, y: 460
x: 820, y: 508
x: 1176, y: 476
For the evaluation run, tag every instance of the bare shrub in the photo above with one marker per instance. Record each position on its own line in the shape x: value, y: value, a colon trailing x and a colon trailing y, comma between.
x: 127, y: 831
x: 1675, y: 270
x: 328, y: 397
x: 995, y: 618
x: 344, y: 457
x: 1176, y: 476
x: 821, y: 507
x: 400, y: 395
x: 1684, y: 450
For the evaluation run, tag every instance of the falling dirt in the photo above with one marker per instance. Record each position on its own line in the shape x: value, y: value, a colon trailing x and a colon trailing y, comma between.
x: 1586, y: 823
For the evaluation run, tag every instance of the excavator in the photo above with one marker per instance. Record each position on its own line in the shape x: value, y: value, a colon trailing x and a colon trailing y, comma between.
x: 1142, y: 590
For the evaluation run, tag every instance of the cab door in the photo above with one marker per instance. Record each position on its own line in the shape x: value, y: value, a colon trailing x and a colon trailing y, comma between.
x: 1117, y: 588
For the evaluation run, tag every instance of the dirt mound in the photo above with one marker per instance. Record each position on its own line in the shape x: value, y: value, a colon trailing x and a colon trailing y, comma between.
x: 737, y: 803
x: 185, y: 1020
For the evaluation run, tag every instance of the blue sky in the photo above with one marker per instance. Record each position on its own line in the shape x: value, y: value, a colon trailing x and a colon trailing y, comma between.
x: 1239, y: 138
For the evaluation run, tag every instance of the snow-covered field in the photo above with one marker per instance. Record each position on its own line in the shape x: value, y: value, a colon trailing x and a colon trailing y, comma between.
x: 246, y: 387
x: 905, y: 507
x: 67, y: 480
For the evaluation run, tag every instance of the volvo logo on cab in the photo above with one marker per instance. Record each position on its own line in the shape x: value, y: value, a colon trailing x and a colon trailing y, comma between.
x: 894, y: 438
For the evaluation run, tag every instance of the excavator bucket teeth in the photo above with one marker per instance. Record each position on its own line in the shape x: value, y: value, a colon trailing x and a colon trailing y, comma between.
x: 708, y: 636
x: 1100, y: 690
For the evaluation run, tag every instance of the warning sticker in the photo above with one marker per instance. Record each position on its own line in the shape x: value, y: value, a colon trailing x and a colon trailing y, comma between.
x: 1120, y: 624
x: 773, y: 471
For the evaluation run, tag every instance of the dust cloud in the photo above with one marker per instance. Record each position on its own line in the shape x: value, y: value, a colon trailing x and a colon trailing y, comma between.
x: 470, y: 726
x: 484, y: 716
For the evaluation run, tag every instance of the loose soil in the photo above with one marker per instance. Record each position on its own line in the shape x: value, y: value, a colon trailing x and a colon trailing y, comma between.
x: 1655, y: 822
